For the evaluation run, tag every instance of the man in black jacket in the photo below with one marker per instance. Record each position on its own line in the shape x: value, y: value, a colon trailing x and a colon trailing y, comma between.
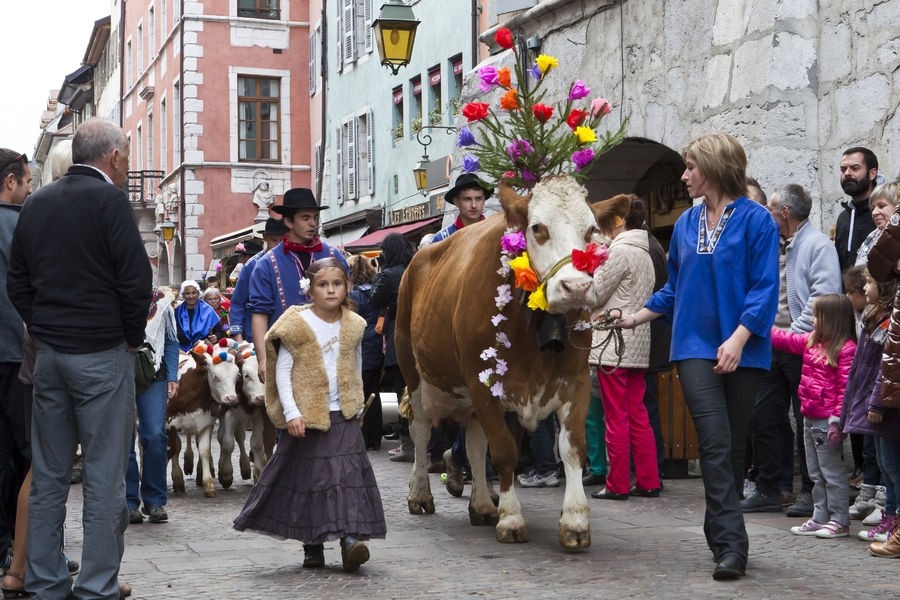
x: 80, y: 278
x: 859, y: 169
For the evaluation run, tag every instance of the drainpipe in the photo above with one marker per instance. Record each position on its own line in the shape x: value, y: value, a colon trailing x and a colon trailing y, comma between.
x: 121, y: 58
x: 181, y: 199
x: 324, y: 73
x: 476, y: 11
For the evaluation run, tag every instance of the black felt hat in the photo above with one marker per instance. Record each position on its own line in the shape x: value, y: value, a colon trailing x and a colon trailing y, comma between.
x: 251, y: 247
x: 274, y: 227
x: 465, y: 181
x: 297, y: 199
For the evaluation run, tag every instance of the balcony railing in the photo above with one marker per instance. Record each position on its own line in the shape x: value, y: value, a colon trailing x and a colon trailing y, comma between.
x: 143, y: 186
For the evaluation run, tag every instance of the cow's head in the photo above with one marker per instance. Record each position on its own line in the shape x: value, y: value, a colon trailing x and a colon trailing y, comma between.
x: 557, y: 219
x: 252, y: 388
x: 221, y: 370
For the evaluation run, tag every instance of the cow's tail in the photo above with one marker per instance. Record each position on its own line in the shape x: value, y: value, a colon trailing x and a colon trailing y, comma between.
x: 402, y: 332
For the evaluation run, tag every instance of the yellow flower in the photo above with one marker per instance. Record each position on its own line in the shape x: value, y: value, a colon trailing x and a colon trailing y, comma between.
x: 585, y: 135
x: 545, y: 63
x: 538, y: 300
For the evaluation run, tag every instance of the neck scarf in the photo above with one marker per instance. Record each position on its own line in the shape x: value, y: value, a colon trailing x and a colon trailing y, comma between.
x: 314, y: 246
x: 459, y: 224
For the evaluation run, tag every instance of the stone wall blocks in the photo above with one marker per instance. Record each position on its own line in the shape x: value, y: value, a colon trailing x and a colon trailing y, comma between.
x: 193, y: 51
x: 752, y: 69
x: 731, y: 22
x: 718, y: 78
x: 834, y: 46
x: 859, y: 106
x: 794, y: 59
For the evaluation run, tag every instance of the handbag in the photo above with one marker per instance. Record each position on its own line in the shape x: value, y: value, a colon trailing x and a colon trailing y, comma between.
x: 144, y: 371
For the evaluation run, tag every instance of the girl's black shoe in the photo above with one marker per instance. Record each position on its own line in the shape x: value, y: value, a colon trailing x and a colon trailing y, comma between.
x: 651, y: 493
x: 313, y: 556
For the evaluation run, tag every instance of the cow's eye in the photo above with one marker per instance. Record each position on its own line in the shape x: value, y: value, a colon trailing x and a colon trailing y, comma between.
x: 540, y: 232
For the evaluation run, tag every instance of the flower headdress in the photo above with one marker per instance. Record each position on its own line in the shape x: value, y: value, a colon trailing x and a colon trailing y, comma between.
x: 531, y: 139
x: 225, y: 353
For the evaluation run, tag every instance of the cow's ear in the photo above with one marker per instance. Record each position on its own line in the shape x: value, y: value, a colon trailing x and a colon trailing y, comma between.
x: 515, y: 207
x: 201, y: 358
x: 610, y: 213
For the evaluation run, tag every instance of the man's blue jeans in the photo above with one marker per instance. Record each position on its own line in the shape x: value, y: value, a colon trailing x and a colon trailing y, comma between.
x: 151, y: 429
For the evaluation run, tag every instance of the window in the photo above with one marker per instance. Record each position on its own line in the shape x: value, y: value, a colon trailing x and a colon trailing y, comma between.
x: 366, y: 167
x: 140, y: 49
x: 397, y: 113
x: 176, y: 124
x: 348, y: 31
x: 258, y: 9
x: 417, y: 119
x: 355, y: 165
x: 176, y: 11
x: 138, y: 156
x: 163, y: 135
x: 315, y: 58
x: 163, y: 19
x: 435, y: 111
x: 259, y: 107
x: 368, y: 34
x: 128, y: 64
x: 454, y: 85
x: 149, y: 141
x: 151, y: 35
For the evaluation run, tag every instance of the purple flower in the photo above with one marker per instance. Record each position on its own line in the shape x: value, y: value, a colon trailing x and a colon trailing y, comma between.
x: 488, y: 78
x: 497, y: 390
x: 489, y: 353
x: 535, y: 71
x: 513, y: 242
x: 582, y: 157
x: 501, y: 367
x: 466, y: 138
x: 485, y: 376
x: 579, y: 90
x: 528, y: 177
x: 470, y: 164
x: 518, y: 147
x: 497, y: 319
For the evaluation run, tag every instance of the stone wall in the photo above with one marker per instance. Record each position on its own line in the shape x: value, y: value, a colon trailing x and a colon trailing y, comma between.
x: 796, y: 81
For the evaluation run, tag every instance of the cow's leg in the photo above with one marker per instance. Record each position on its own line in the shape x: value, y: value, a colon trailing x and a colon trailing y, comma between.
x: 481, y: 508
x: 240, y: 437
x: 419, y: 499
x: 268, y: 434
x: 226, y: 433
x: 574, y: 524
x: 257, y: 445
x: 204, y: 448
x: 174, y: 455
x: 188, y: 453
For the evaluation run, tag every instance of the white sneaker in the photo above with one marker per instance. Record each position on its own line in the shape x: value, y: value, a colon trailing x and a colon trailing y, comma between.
x: 832, y: 530
x: 809, y: 527
x: 880, y: 532
x: 875, y: 517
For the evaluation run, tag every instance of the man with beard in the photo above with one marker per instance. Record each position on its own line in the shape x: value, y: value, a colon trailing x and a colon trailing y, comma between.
x: 859, y: 168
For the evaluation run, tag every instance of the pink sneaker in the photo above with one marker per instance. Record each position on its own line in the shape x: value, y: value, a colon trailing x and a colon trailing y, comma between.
x: 880, y: 532
x: 810, y: 527
x: 832, y: 530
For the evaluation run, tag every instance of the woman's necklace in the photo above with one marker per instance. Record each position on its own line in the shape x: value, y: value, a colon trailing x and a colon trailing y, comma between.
x: 706, y: 243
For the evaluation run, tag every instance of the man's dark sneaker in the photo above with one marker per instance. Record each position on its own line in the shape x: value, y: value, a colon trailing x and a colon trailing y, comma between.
x: 802, y: 507
x: 134, y: 516
x: 757, y: 502
x: 156, y: 514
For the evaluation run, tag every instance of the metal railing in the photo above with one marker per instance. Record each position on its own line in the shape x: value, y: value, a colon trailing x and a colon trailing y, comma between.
x: 142, y: 186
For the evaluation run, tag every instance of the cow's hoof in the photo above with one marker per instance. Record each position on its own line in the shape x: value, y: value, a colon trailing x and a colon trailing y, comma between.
x: 178, y: 486
x: 226, y: 481
x: 209, y: 493
x: 245, y: 468
x: 417, y: 507
x: 512, y: 535
x: 476, y: 518
x: 574, y: 540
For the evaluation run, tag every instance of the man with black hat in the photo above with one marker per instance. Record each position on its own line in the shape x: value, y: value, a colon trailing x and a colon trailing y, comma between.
x: 469, y: 195
x: 276, y: 281
x: 239, y: 313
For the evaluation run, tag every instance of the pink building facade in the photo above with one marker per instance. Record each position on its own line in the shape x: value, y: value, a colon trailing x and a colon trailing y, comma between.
x: 215, y: 102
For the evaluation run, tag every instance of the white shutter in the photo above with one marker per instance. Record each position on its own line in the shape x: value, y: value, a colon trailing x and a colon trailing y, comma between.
x: 312, y: 63
x: 370, y: 36
x: 339, y: 166
x: 339, y: 45
x: 352, y: 182
x: 349, y: 22
x: 317, y: 170
x: 370, y: 151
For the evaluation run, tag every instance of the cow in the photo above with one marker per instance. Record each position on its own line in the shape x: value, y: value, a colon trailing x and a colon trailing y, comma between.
x: 446, y: 301
x: 203, y: 389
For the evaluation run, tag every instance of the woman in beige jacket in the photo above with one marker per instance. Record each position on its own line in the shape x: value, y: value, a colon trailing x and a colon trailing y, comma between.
x: 623, y: 285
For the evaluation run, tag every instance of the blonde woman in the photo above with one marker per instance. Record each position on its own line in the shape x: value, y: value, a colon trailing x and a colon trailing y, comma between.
x: 882, y: 203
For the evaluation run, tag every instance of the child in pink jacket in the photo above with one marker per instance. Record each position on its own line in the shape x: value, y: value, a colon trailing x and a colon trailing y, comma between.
x: 827, y: 356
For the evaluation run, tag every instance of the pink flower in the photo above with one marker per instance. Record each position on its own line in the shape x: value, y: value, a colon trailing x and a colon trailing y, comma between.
x: 579, y: 90
x: 513, y: 242
x: 600, y: 107
x: 582, y: 157
x: 488, y: 78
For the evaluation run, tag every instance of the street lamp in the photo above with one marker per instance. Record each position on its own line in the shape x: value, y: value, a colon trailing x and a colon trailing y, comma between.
x: 395, y: 33
x: 167, y: 229
x: 420, y: 172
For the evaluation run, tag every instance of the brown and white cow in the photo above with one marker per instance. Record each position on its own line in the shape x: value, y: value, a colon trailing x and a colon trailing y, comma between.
x: 446, y: 301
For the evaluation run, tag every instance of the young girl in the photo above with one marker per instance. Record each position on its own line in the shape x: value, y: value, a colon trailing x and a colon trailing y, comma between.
x: 854, y: 279
x: 827, y: 356
x: 319, y: 485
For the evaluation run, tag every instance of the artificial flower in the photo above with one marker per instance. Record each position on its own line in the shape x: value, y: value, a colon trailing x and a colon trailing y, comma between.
x: 579, y: 90
x: 535, y: 71
x: 497, y: 319
x: 466, y: 137
x: 504, y: 38
x: 576, y: 118
x: 488, y: 353
x: 545, y: 63
x: 528, y: 178
x: 538, y: 300
x: 485, y: 376
x: 304, y: 285
x: 501, y: 367
x: 510, y: 100
x: 475, y: 111
x: 542, y: 112
x: 504, y: 295
x: 582, y: 157
x: 513, y: 242
x: 503, y: 340
x: 591, y: 258
x: 504, y: 77
x: 508, y: 175
x: 525, y: 277
x: 600, y: 107
x: 470, y: 163
x: 497, y: 390
x: 487, y: 78
x: 518, y: 148
x: 585, y: 135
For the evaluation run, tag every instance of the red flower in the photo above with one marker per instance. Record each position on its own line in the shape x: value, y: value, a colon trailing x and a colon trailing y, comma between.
x: 592, y: 257
x: 475, y: 111
x: 504, y: 37
x: 576, y: 118
x: 542, y: 112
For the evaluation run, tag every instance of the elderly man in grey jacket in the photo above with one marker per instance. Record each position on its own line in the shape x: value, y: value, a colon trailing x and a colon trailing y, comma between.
x: 809, y: 268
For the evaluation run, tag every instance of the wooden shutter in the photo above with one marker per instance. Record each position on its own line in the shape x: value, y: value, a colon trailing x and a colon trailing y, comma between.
x: 370, y: 36
x: 370, y: 151
x: 317, y: 170
x: 339, y: 167
x: 312, y: 63
x: 349, y: 24
x: 352, y: 182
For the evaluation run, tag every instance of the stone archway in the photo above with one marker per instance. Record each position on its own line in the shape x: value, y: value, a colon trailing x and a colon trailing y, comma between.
x: 652, y: 171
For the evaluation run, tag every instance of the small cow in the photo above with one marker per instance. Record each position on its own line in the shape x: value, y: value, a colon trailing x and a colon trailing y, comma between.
x: 444, y: 323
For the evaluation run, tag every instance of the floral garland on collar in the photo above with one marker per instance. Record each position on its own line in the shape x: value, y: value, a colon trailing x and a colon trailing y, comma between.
x: 514, y: 259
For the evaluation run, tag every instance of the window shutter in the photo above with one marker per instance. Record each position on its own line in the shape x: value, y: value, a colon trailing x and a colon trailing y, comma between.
x: 312, y: 63
x: 352, y: 182
x: 370, y: 151
x: 340, y: 45
x: 370, y: 36
x: 339, y: 166
x: 317, y: 169
x: 349, y: 22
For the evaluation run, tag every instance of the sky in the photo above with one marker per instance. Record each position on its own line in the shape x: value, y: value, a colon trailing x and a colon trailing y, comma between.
x: 47, y: 38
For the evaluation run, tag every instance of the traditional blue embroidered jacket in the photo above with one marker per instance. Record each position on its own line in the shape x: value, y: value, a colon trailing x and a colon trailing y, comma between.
x: 239, y: 313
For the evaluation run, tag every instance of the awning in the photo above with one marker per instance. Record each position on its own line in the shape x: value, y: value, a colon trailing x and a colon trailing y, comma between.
x: 339, y: 238
x: 76, y: 85
x: 235, y: 237
x: 375, y: 238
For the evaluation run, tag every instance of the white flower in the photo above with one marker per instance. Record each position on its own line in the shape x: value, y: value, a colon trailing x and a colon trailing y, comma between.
x: 497, y: 390
x: 304, y: 285
x: 581, y: 325
x: 489, y: 353
x: 485, y: 376
x: 501, y: 367
x: 503, y: 340
x: 497, y: 319
x: 504, y: 296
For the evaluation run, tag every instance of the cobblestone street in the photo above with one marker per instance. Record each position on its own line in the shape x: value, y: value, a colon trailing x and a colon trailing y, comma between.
x: 642, y: 548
